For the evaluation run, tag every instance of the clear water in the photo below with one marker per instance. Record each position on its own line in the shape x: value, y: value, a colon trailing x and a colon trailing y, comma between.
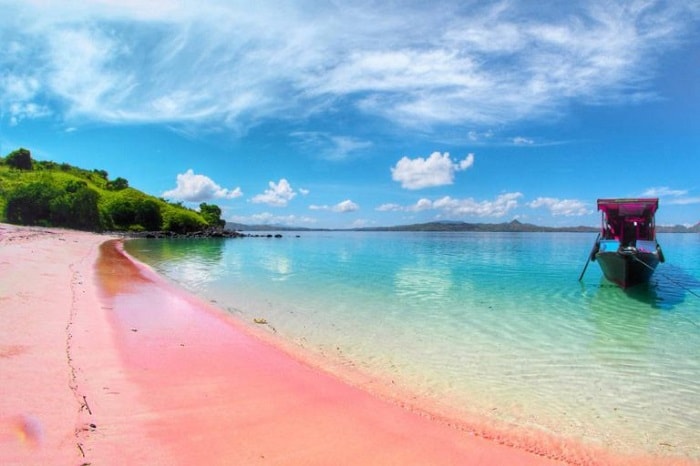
x: 492, y: 324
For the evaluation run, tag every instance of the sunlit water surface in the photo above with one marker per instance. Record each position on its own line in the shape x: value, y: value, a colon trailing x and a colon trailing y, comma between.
x: 495, y: 324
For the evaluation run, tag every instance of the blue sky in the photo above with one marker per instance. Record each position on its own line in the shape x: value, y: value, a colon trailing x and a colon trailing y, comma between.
x: 362, y: 113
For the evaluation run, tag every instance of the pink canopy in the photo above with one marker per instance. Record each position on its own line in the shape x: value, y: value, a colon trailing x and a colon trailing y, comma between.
x: 643, y: 208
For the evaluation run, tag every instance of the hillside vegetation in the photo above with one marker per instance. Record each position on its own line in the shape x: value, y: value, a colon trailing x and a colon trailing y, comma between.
x: 50, y: 194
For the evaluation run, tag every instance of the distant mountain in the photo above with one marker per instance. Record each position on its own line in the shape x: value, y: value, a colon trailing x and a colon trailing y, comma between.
x: 455, y: 225
x: 448, y: 225
x: 513, y: 226
x: 678, y: 229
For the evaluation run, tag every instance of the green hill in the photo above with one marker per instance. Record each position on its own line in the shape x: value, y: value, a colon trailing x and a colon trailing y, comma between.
x: 47, y: 193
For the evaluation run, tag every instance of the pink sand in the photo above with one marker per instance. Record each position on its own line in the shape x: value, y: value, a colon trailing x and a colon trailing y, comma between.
x: 103, y: 362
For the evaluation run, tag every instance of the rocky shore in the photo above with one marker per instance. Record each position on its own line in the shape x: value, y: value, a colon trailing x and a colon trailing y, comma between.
x: 207, y: 233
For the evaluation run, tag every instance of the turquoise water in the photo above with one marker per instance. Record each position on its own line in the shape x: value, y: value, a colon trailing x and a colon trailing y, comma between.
x: 493, y: 325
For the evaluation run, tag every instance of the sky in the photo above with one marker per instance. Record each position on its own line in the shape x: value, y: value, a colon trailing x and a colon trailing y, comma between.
x: 341, y: 114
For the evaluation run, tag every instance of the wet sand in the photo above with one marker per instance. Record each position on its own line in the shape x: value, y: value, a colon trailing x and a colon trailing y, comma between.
x: 104, y: 362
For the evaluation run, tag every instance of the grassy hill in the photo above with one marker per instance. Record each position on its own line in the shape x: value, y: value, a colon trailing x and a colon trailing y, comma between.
x: 50, y: 194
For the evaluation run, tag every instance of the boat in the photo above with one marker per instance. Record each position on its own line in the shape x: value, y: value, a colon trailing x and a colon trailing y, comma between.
x: 626, y: 248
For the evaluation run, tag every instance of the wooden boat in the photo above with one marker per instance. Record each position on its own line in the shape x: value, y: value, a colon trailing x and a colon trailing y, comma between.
x: 626, y: 248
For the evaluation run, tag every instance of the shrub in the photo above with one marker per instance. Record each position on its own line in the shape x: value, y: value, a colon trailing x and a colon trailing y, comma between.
x: 211, y: 214
x: 182, y: 221
x: 148, y: 215
x: 30, y: 204
x: 20, y: 159
x: 101, y: 173
x: 130, y: 210
x: 117, y: 184
x: 122, y: 211
x: 76, y: 208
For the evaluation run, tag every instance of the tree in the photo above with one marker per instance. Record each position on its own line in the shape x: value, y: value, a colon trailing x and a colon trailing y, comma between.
x: 117, y: 184
x: 30, y: 204
x: 182, y: 221
x: 148, y: 215
x: 123, y: 212
x: 20, y: 159
x: 76, y: 207
x: 211, y: 213
x: 101, y: 173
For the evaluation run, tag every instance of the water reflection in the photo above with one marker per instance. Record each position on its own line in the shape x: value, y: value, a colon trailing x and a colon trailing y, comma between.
x: 279, y: 265
x: 208, y: 251
x: 193, y: 263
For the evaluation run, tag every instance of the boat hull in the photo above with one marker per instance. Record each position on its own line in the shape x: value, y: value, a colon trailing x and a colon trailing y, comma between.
x: 627, y: 269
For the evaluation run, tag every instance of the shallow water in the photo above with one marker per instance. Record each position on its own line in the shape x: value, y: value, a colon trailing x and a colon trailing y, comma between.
x: 495, y: 325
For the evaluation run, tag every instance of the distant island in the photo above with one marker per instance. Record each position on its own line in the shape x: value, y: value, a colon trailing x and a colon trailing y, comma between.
x: 514, y: 226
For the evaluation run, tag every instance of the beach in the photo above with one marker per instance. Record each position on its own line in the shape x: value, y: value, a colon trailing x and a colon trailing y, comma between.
x: 104, y: 362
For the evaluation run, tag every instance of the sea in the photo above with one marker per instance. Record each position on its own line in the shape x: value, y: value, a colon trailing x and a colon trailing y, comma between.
x: 495, y: 325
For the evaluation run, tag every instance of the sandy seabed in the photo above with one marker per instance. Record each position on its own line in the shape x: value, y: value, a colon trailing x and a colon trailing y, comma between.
x: 104, y: 362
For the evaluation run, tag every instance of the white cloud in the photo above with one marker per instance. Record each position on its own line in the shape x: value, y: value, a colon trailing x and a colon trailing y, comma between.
x: 346, y: 206
x: 522, y: 141
x: 329, y: 146
x: 684, y: 201
x: 566, y: 207
x: 230, y: 65
x: 436, y: 170
x: 672, y: 196
x: 197, y: 188
x: 422, y: 204
x: 663, y: 191
x: 278, y: 194
x: 451, y: 207
x: 20, y: 111
x: 345, y: 145
x: 389, y: 207
x: 341, y: 207
x: 266, y: 218
x: 499, y: 207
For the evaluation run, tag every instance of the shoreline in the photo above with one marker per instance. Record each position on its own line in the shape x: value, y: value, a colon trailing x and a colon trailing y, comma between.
x: 108, y: 360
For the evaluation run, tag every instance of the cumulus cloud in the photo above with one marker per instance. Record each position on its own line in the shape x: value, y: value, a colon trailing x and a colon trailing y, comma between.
x: 278, y: 194
x: 493, y: 63
x: 456, y: 208
x: 267, y: 218
x: 345, y: 206
x: 437, y: 170
x: 499, y: 207
x: 197, y: 188
x: 422, y: 204
x: 566, y: 207
x: 389, y: 207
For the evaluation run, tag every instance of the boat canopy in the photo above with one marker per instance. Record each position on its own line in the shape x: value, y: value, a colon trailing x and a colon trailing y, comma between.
x: 627, y: 220
x: 645, y: 208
